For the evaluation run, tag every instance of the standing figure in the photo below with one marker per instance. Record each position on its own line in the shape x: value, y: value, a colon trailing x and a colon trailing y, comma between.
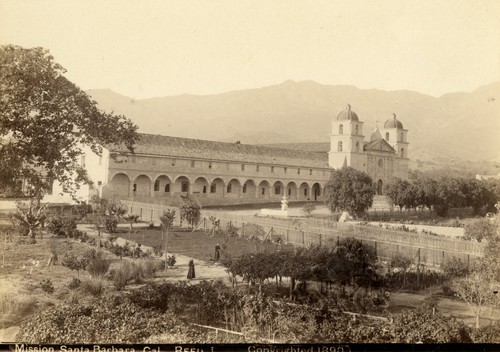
x: 191, y: 274
x: 217, y: 252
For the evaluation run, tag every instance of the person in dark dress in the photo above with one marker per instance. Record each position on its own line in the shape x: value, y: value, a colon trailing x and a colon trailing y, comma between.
x: 217, y: 252
x: 191, y: 273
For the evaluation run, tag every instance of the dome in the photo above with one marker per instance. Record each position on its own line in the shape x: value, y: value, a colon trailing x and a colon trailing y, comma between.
x: 347, y: 114
x: 393, y: 123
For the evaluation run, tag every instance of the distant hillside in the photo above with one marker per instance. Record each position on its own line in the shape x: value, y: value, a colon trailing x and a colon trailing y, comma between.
x: 458, y: 126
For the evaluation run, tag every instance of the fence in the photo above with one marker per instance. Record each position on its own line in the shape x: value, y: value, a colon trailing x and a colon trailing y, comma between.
x: 387, y: 243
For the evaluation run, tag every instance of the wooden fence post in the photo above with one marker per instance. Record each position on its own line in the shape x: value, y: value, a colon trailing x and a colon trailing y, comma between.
x: 303, y: 241
x: 418, y: 267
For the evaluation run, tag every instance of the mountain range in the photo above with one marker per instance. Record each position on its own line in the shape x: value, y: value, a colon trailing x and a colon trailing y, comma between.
x: 461, y: 126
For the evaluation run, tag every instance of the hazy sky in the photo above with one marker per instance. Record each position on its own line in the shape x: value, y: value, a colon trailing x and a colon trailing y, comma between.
x: 157, y: 48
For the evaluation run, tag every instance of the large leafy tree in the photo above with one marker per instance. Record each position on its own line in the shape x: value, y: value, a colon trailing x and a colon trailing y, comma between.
x: 349, y: 190
x: 45, y: 120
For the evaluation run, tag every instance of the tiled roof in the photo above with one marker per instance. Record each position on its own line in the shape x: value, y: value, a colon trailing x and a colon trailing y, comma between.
x: 317, y: 147
x: 201, y: 149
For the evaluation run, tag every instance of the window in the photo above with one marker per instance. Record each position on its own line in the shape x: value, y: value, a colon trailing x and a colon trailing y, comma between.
x: 298, y: 171
x: 357, y: 146
x: 204, y: 189
x: 229, y: 187
x: 277, y: 190
x: 245, y: 188
x: 157, y: 186
x: 305, y: 192
x: 339, y: 147
x: 402, y: 152
x: 310, y: 171
x: 289, y: 192
x: 134, y: 187
x: 387, y: 136
x: 257, y: 168
x: 167, y: 188
x: 192, y: 163
x: 210, y: 165
x: 263, y: 190
x: 242, y: 167
x: 401, y: 136
x: 357, y: 129
x: 341, y: 129
x: 380, y: 163
x: 213, y: 188
x: 284, y: 170
x: 272, y: 168
x: 173, y: 162
x: 184, y: 186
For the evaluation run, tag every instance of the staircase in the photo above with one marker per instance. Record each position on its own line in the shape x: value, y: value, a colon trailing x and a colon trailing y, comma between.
x: 380, y: 203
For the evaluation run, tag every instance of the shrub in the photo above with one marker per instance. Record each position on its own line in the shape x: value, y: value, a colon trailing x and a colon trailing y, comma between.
x: 111, y: 225
x: 149, y: 268
x: 454, y: 268
x: 308, y: 208
x: 121, y: 277
x: 479, y: 230
x: 72, y: 262
x: 47, y: 286
x: 171, y: 261
x: 74, y: 284
x: 94, y: 287
x: 98, y: 266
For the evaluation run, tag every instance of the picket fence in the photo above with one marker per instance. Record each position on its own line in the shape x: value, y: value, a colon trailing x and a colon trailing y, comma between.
x: 425, y: 249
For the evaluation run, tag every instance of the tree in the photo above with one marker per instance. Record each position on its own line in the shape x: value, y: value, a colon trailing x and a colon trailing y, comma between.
x: 308, y: 208
x: 167, y: 221
x: 349, y: 190
x: 397, y: 190
x: 190, y: 211
x: 45, y: 120
x: 117, y: 208
x: 31, y: 216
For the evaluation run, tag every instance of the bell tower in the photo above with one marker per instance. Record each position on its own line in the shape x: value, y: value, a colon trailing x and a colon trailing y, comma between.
x: 346, y: 141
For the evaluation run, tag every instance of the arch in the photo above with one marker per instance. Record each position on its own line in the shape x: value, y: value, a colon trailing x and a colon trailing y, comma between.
x: 402, y: 152
x: 304, y: 191
x: 200, y: 186
x: 339, y: 146
x: 316, y: 191
x: 119, y: 186
x: 291, y: 190
x: 380, y: 187
x: 264, y: 189
x: 142, y: 186
x: 341, y: 129
x: 182, y: 184
x: 278, y: 189
x: 248, y: 189
x: 217, y: 187
x: 233, y: 188
x: 162, y: 186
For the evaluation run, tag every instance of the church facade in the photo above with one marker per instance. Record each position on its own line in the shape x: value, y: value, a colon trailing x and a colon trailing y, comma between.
x: 164, y: 168
x: 383, y: 156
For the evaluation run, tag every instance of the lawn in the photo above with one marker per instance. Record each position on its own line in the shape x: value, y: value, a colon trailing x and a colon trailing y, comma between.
x: 194, y: 244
